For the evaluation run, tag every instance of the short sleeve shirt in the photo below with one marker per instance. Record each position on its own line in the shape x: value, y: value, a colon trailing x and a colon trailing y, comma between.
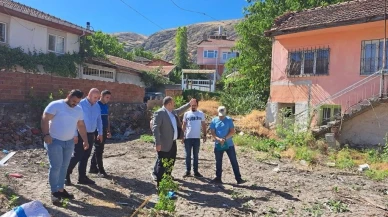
x: 104, y: 114
x: 193, y: 122
x: 64, y: 123
x: 222, y: 128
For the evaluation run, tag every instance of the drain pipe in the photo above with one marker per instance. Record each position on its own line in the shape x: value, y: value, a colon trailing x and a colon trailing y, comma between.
x: 384, y: 51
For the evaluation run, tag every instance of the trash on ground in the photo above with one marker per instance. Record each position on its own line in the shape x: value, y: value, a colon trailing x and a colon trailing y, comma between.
x: 33, y: 208
x: 15, y: 175
x: 6, y: 158
x: 363, y: 167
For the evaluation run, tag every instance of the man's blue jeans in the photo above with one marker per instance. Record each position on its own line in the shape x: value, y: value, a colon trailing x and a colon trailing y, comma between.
x: 59, y: 155
x: 192, y: 144
x: 233, y: 160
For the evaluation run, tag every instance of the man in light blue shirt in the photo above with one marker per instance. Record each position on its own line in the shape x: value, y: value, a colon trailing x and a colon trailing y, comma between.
x: 222, y: 130
x: 92, y: 119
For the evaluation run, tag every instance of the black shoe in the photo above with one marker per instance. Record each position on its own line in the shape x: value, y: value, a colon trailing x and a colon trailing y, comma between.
x: 154, y: 177
x: 103, y: 175
x: 198, y: 175
x: 86, y: 181
x: 66, y: 194
x: 93, y: 171
x: 216, y: 180
x: 187, y: 174
x: 56, y: 198
x: 68, y: 181
x: 241, y: 181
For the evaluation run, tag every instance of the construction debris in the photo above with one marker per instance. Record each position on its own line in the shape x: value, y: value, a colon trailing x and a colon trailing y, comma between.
x: 6, y: 158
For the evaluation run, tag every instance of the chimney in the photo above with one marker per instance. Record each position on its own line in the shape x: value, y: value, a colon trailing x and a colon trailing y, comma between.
x: 220, y: 30
x: 88, y: 25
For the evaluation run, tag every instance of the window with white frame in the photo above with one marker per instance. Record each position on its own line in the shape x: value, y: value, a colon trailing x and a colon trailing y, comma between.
x: 2, y: 32
x: 56, y: 44
x: 98, y: 73
x: 372, y: 56
x: 210, y: 54
x: 308, y: 62
x: 228, y: 55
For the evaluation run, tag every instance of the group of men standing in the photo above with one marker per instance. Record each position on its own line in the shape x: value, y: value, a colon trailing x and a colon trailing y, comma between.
x: 70, y: 127
x: 167, y: 129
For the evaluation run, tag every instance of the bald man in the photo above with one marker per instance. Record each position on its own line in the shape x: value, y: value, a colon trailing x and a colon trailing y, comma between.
x: 93, y: 121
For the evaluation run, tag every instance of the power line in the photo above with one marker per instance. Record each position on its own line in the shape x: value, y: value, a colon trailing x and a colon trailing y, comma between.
x: 142, y: 15
x: 196, y: 12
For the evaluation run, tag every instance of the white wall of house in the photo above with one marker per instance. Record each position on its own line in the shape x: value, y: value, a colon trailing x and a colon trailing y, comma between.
x: 32, y: 36
x: 129, y: 79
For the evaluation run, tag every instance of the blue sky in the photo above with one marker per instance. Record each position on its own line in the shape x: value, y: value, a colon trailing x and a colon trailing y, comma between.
x: 114, y: 16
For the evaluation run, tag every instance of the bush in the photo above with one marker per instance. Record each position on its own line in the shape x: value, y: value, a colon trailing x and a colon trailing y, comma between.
x: 241, y: 103
x: 258, y: 144
x: 200, y: 95
x: 179, y: 101
x: 344, y: 159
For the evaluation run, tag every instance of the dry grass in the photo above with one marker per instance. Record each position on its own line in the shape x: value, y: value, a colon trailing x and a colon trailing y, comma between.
x: 289, y: 153
x: 254, y: 123
x: 209, y: 107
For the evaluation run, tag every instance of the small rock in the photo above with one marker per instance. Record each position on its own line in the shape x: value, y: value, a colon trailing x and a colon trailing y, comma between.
x: 303, y: 162
x: 276, y: 169
x: 330, y: 164
x: 241, y: 133
x: 251, y: 203
x: 363, y: 167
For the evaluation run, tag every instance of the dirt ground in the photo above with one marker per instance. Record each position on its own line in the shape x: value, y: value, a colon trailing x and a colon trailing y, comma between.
x: 274, y: 188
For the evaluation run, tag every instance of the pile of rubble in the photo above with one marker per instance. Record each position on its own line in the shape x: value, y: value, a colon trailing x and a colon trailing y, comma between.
x: 13, y: 135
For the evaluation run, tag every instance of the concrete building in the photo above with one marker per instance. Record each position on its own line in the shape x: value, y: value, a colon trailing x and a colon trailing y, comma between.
x: 326, y: 67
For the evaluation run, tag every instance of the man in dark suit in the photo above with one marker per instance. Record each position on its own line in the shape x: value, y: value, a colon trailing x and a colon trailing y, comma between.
x: 165, y: 128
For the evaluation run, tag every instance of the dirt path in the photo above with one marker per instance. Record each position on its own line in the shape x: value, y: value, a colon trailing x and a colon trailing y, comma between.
x: 293, y: 190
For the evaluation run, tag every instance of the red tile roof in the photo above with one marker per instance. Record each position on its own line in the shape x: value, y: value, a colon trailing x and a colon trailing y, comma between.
x: 25, y: 12
x: 346, y: 13
x: 165, y: 70
x: 218, y: 42
x: 128, y: 64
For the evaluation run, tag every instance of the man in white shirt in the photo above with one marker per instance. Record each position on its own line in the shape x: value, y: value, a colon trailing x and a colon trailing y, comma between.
x: 59, y: 122
x: 193, y: 122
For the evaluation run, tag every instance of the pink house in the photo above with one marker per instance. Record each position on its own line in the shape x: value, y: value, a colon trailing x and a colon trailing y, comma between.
x: 214, y: 51
x: 326, y: 67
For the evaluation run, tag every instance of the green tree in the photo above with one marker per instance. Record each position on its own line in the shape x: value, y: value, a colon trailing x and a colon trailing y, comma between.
x: 181, y: 53
x: 100, y: 44
x: 140, y: 52
x: 154, y: 78
x: 254, y: 61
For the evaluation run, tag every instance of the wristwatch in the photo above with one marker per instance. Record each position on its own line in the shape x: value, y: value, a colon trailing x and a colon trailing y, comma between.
x: 47, y: 134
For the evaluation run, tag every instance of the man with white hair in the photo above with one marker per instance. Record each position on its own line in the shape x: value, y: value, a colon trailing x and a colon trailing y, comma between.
x: 222, y: 130
x: 93, y: 121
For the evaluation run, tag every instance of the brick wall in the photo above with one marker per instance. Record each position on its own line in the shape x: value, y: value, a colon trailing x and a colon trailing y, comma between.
x: 15, y: 87
x: 172, y: 93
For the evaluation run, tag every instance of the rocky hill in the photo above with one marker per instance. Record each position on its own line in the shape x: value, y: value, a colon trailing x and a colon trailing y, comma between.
x: 162, y: 43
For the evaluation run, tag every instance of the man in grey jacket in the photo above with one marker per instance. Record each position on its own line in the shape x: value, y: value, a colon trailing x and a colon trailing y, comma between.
x: 165, y: 130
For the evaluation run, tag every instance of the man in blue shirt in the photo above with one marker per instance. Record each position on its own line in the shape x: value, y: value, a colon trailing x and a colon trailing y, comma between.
x: 92, y: 119
x: 222, y: 130
x: 96, y: 164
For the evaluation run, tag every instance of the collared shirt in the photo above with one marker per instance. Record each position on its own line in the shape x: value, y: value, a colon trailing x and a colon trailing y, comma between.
x: 104, y: 114
x: 222, y: 128
x: 92, y: 116
x: 174, y: 124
